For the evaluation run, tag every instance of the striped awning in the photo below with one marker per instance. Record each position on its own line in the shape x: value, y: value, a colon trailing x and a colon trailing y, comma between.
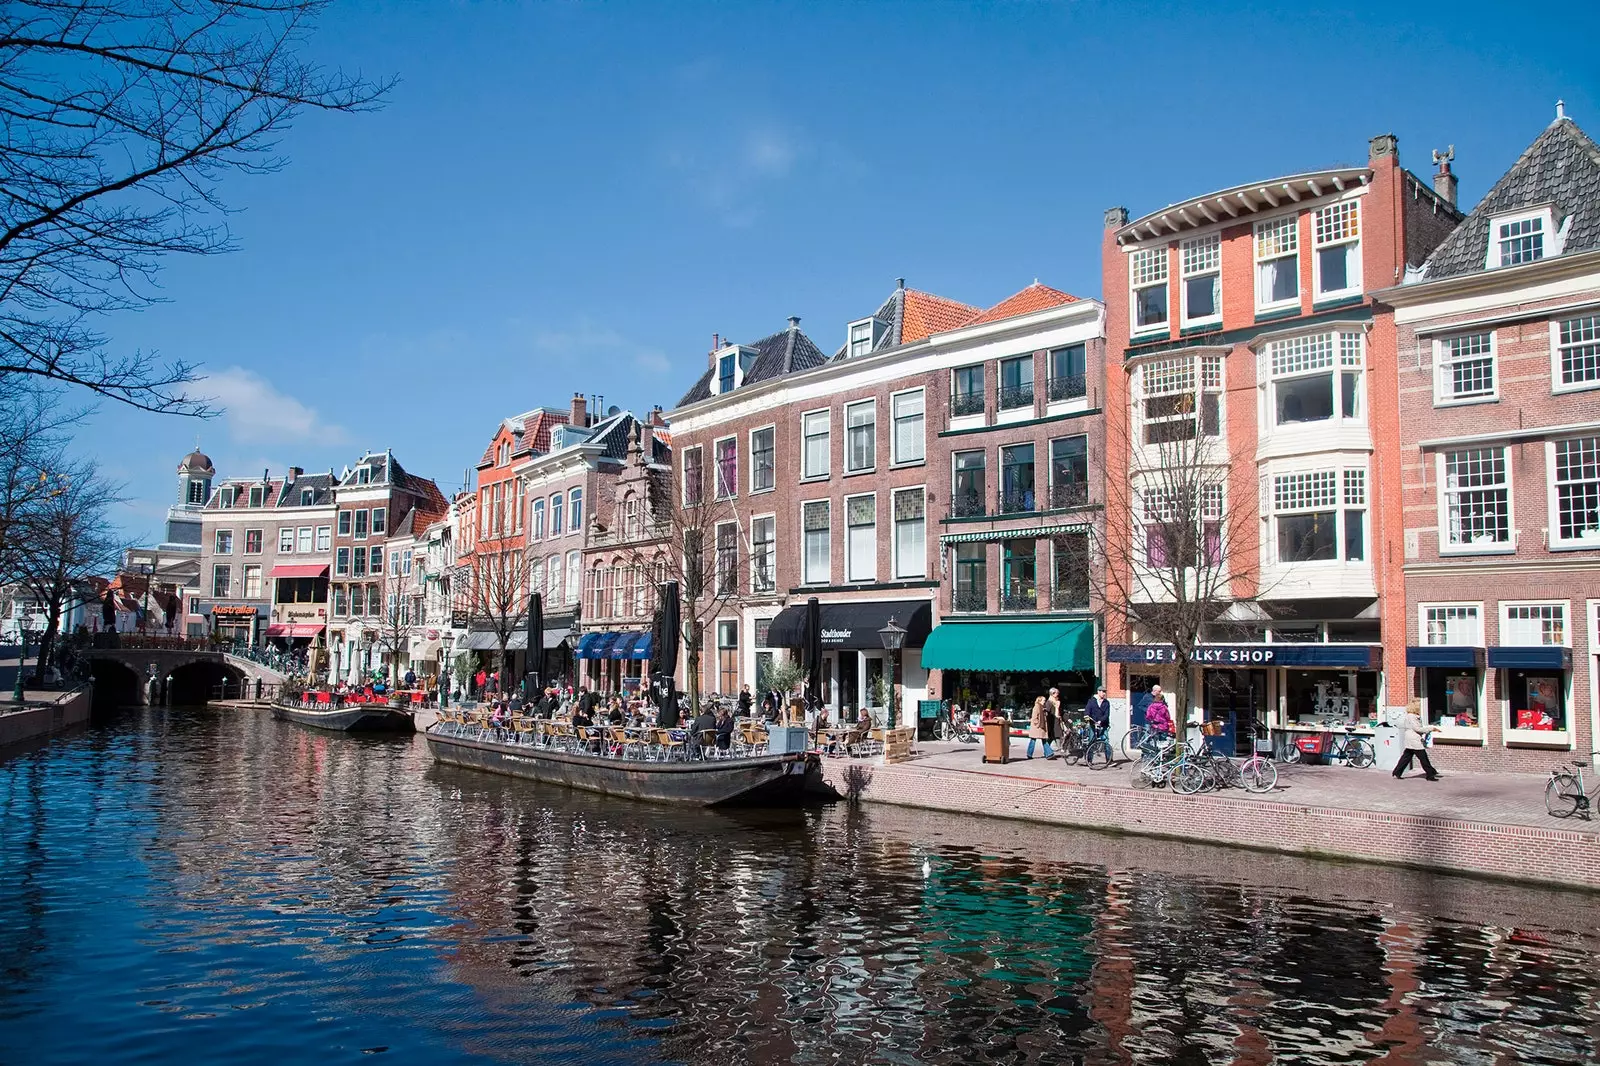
x: 1014, y: 534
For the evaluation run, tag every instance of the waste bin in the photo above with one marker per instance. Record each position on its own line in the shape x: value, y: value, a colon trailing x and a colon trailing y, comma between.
x: 997, y: 741
x: 1387, y: 744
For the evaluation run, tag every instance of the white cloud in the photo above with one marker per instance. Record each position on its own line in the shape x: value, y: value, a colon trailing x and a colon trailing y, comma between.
x: 586, y: 342
x: 734, y: 184
x: 256, y: 412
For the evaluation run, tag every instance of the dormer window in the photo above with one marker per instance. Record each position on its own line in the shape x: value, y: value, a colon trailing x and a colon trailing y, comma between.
x: 860, y: 338
x: 1521, y: 238
x: 228, y: 494
x: 505, y: 454
x: 307, y: 497
x: 727, y: 367
x: 256, y: 494
x: 363, y: 475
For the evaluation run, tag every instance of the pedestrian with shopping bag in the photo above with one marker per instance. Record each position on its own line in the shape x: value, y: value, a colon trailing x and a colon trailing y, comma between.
x: 1418, y: 738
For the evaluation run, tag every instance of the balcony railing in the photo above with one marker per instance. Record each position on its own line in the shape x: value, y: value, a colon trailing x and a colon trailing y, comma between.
x: 1019, y: 598
x: 1069, y: 494
x: 973, y: 599
x: 1069, y: 598
x: 968, y: 403
x: 967, y: 505
x: 1069, y: 387
x: 1016, y: 396
x: 1017, y: 501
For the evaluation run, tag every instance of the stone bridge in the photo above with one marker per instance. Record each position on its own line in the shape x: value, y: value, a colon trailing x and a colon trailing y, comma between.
x: 184, y: 671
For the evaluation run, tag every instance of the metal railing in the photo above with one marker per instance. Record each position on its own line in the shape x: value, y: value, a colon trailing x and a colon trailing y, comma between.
x: 1012, y: 396
x: 287, y: 663
x: 967, y: 505
x: 1069, y: 494
x: 1017, y: 501
x: 1068, y: 387
x: 1069, y: 598
x: 973, y: 599
x: 966, y: 403
x: 1019, y: 598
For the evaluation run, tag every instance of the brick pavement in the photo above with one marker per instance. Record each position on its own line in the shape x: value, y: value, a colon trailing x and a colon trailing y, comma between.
x: 1487, y: 824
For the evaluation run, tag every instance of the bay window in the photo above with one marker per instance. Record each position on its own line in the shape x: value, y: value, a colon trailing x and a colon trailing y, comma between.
x: 1201, y: 260
x: 1320, y: 516
x: 1277, y: 248
x: 861, y: 538
x: 910, y: 533
x: 815, y: 547
x: 1176, y: 533
x: 1178, y: 400
x: 1475, y: 492
x: 1148, y: 282
x: 1316, y: 378
x: 1336, y: 241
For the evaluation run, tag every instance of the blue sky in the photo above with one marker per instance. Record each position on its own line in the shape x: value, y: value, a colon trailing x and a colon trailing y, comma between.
x: 573, y: 197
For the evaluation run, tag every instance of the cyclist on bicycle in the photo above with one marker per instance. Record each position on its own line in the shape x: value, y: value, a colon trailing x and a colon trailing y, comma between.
x: 1098, y: 710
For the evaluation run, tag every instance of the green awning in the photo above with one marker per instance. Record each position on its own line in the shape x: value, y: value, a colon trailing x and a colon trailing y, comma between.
x: 1019, y: 645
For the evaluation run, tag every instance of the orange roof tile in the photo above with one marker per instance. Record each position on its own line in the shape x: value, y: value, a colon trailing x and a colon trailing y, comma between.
x: 1035, y: 297
x: 927, y: 314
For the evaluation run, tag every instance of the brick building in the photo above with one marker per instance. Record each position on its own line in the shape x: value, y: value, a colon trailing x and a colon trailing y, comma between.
x: 1498, y: 337
x: 265, y: 549
x: 1241, y: 339
x: 834, y: 477
x: 372, y: 498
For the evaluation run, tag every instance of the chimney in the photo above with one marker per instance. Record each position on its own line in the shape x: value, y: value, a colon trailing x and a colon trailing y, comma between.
x: 294, y: 474
x: 716, y: 345
x: 1116, y: 217
x: 1383, y: 146
x: 580, y: 410
x: 656, y: 418
x: 1444, y: 181
x: 794, y: 321
x: 899, y: 283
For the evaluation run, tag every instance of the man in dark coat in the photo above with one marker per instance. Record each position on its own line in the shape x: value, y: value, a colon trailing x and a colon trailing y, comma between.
x: 1099, y: 711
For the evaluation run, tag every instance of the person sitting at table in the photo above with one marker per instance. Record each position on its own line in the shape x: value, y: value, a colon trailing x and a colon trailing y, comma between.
x: 724, y: 729
x: 580, y: 715
x: 864, y: 719
x: 615, y: 715
x: 704, y: 722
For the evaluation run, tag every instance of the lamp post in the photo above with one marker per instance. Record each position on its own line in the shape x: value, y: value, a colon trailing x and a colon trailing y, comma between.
x: 22, y: 657
x: 149, y: 572
x: 447, y: 642
x: 893, y: 637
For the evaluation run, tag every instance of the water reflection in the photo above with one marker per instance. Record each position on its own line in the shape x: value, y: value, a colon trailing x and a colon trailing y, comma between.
x: 232, y: 887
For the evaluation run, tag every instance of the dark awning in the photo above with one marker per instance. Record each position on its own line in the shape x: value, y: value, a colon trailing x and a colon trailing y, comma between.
x: 1531, y: 658
x: 480, y: 640
x: 1445, y: 655
x: 853, y: 624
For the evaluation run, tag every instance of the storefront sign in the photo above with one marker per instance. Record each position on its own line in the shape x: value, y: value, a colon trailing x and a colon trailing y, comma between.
x: 1351, y: 656
x: 233, y: 609
x: 836, y: 636
x: 299, y: 614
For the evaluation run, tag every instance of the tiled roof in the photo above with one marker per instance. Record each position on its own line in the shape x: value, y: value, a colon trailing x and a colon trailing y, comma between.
x: 322, y: 484
x: 926, y: 314
x: 781, y: 353
x: 1035, y: 297
x: 1561, y: 167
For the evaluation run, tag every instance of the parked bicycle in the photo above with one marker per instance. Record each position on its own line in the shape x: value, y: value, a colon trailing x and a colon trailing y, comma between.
x: 953, y: 724
x: 1353, y: 750
x: 1259, y: 773
x: 1564, y: 794
x: 1085, y: 742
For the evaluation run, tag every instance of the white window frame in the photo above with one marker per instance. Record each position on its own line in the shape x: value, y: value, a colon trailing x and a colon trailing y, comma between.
x: 1149, y: 268
x: 1476, y: 606
x: 732, y: 488
x: 856, y: 405
x: 1437, y: 715
x: 305, y: 540
x: 901, y: 573
x: 574, y: 579
x: 1354, y: 242
x: 1506, y: 607
x: 869, y: 573
x: 1343, y: 503
x: 575, y: 516
x: 731, y: 586
x: 324, y: 538
x: 1592, y: 315
x: 1257, y: 259
x: 1553, y: 501
x: 536, y: 521
x: 805, y: 561
x: 1210, y: 245
x: 1347, y: 354
x: 895, y: 458
x: 1549, y: 245
x: 771, y: 585
x: 285, y: 534
x: 216, y: 542
x: 683, y: 476
x: 1444, y: 365
x: 851, y: 341
x: 751, y: 442
x: 245, y: 573
x: 1498, y: 548
x: 827, y: 438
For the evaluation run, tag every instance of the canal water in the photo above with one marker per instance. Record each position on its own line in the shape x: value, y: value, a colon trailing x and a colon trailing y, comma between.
x: 207, y: 886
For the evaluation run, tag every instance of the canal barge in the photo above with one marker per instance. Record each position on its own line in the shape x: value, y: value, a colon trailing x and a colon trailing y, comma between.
x: 351, y: 718
x: 782, y: 780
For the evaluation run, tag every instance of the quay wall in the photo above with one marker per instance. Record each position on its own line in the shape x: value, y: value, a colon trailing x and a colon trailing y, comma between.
x: 1570, y: 858
x: 42, y: 719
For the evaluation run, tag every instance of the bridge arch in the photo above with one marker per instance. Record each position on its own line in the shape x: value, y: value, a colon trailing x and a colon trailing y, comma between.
x: 194, y: 683
x: 116, y: 684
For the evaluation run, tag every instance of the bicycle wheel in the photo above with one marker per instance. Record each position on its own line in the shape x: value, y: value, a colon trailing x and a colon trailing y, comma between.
x: 1132, y: 741
x: 1142, y: 776
x: 1359, y: 753
x: 1188, y: 779
x: 1258, y: 775
x: 1227, y: 772
x: 1098, y: 755
x: 1561, y: 795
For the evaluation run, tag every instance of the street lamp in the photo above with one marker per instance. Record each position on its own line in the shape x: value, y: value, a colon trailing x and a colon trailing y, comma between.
x: 149, y: 572
x: 22, y: 657
x: 444, y: 673
x: 893, y: 637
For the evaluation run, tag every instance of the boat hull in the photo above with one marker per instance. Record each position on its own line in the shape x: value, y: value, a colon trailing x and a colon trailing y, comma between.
x: 763, y: 781
x: 362, y: 718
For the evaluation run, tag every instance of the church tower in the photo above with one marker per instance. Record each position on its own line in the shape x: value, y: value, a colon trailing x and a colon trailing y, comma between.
x: 194, y: 489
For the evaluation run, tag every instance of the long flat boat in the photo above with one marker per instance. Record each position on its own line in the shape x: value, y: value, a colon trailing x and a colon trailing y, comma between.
x: 352, y: 718
x: 784, y: 780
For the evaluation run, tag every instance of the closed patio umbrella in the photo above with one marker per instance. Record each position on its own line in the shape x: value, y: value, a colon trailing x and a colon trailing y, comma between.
x: 535, y: 672
x: 813, y: 651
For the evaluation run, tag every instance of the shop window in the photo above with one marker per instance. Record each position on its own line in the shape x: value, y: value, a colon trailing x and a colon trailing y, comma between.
x: 285, y: 541
x: 252, y: 542
x: 1019, y: 577
x: 763, y: 469
x: 1016, y: 382
x: 816, y: 430
x: 1453, y: 699
x: 816, y: 547
x: 1576, y: 347
x: 861, y: 538
x: 910, y: 534
x: 972, y: 577
x: 1336, y: 239
x: 967, y: 391
x: 764, y: 663
x: 1202, y: 279
x: 763, y: 533
x: 969, y: 496
x: 1147, y: 270
x: 861, y: 436
x: 1277, y: 248
x: 1536, y: 702
x: 1576, y: 473
x: 1464, y: 368
x: 1476, y: 495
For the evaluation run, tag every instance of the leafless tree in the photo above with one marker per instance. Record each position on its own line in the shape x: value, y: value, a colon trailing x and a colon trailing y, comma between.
x: 33, y: 431
x: 1181, y: 554
x: 692, y: 536
x: 69, y: 539
x: 394, y: 621
x: 495, y: 594
x: 120, y: 120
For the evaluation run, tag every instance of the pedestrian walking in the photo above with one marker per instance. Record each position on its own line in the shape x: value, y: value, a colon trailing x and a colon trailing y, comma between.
x: 1416, y: 744
x: 1039, y: 728
x: 745, y: 701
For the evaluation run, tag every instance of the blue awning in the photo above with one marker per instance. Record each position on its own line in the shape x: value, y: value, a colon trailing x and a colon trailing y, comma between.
x: 1445, y: 655
x: 622, y: 647
x: 641, y: 647
x: 1531, y: 658
x: 594, y: 645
